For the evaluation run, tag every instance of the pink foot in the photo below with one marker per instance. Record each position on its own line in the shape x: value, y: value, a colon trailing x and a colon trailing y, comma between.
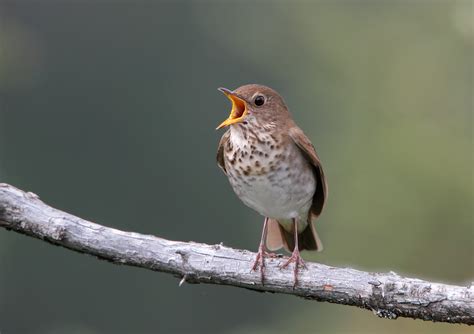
x: 298, y: 260
x: 260, y: 261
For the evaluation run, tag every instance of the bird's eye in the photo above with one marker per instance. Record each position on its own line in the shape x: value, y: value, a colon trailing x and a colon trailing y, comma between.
x: 259, y: 100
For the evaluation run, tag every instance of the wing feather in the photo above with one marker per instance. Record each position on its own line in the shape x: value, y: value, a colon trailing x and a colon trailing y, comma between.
x: 304, y: 144
x: 220, y: 151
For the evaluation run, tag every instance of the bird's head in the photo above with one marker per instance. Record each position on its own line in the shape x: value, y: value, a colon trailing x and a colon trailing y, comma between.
x: 255, y: 105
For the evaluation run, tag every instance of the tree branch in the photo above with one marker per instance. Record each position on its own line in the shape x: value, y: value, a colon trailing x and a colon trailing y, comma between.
x: 388, y: 295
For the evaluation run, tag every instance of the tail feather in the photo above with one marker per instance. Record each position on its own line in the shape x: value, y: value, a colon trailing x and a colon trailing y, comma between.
x: 278, y: 237
x: 275, y: 236
x: 309, y: 239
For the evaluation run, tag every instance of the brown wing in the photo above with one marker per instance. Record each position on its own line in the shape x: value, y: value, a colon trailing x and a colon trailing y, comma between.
x: 220, y: 151
x: 304, y: 144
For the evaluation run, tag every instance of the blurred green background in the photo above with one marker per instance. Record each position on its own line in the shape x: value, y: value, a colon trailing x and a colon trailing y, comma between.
x: 108, y: 111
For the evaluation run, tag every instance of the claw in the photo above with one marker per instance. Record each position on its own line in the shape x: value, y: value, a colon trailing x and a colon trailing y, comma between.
x: 295, y: 256
x: 298, y: 261
x: 260, y: 261
x: 262, y: 252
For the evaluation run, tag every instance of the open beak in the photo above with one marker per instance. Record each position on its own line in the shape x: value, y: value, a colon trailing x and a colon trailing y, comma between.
x: 239, y: 108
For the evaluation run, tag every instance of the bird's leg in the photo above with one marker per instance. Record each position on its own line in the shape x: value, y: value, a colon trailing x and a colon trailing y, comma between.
x: 295, y: 256
x: 262, y: 252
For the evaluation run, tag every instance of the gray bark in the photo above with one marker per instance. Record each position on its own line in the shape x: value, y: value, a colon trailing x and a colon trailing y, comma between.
x: 388, y: 295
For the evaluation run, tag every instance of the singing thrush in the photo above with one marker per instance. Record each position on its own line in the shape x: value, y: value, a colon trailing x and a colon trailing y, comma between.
x: 274, y: 169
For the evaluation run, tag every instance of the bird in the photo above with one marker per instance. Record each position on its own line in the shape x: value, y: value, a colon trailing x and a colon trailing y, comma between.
x: 274, y: 169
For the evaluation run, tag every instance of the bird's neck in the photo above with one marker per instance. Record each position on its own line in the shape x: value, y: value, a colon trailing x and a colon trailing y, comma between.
x: 243, y: 134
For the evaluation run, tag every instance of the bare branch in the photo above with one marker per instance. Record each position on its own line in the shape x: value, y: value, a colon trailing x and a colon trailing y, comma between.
x: 388, y: 295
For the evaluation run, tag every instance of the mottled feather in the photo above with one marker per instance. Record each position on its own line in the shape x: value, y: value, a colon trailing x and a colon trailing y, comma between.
x: 304, y: 144
x: 220, y: 151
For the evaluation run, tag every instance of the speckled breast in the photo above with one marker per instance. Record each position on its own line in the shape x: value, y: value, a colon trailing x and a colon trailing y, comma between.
x: 270, y: 176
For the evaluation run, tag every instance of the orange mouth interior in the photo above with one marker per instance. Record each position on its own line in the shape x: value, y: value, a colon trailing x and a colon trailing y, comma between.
x: 238, y: 108
x: 238, y: 112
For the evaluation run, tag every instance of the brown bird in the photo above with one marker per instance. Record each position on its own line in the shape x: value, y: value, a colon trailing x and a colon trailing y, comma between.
x: 274, y: 169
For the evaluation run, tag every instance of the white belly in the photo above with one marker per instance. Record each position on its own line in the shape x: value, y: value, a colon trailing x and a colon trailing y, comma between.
x: 282, y: 198
x: 283, y: 193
